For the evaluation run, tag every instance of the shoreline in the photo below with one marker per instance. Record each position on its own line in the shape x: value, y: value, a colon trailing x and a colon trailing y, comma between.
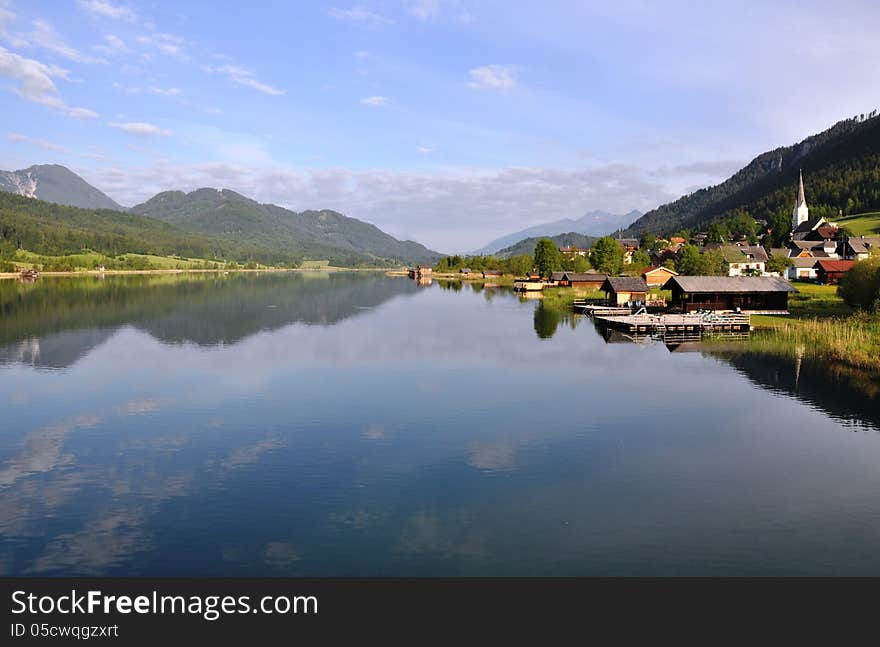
x: 16, y: 275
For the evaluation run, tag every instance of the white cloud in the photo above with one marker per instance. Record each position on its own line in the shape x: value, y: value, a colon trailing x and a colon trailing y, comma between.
x: 359, y: 14
x: 114, y: 46
x: 167, y: 44
x: 493, y: 77
x: 141, y: 128
x: 162, y: 92
x: 46, y: 37
x: 108, y: 10
x: 458, y: 209
x: 375, y: 102
x: 35, y: 83
x: 425, y: 9
x: 424, y: 150
x: 245, y: 77
x: 39, y: 143
x: 6, y: 16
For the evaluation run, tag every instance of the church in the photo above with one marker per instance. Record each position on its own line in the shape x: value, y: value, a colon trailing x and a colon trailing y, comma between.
x: 802, y: 227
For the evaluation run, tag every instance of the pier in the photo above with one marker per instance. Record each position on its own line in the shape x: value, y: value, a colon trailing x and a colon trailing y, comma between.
x: 677, y: 323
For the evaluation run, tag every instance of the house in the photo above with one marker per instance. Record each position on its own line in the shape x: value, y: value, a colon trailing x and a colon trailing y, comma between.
x: 420, y: 271
x: 573, y: 251
x: 677, y: 240
x: 533, y: 276
x: 813, y: 249
x: 629, y: 245
x: 801, y: 269
x: 858, y: 248
x: 592, y: 280
x: 465, y: 270
x: 491, y: 274
x: 556, y: 277
x: 659, y: 257
x: 656, y: 276
x: 782, y: 252
x: 625, y: 290
x: 853, y: 249
x: 753, y: 294
x: 744, y: 260
x: 871, y: 242
x: 830, y: 271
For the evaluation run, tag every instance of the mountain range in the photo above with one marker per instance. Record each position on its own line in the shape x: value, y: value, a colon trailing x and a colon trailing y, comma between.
x: 841, y: 168
x: 527, y: 245
x: 594, y: 223
x: 216, y: 222
x: 322, y: 234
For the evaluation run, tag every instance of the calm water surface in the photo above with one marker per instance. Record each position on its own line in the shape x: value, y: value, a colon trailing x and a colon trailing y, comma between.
x: 358, y: 424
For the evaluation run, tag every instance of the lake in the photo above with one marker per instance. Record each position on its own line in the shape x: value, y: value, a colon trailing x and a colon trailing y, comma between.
x: 361, y: 424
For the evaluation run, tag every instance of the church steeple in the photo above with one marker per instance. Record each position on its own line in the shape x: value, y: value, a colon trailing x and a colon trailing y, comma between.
x: 800, y: 213
x: 801, y: 199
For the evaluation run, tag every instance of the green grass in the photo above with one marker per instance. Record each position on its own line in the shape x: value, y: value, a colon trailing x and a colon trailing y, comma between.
x: 88, y: 260
x: 314, y: 265
x: 852, y: 341
x: 863, y: 224
x: 811, y: 301
x: 821, y: 326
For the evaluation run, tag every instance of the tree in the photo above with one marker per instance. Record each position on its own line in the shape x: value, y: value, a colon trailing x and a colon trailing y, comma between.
x: 778, y: 264
x: 742, y: 224
x: 519, y: 265
x: 648, y: 241
x: 547, y: 257
x: 640, y: 259
x: 713, y: 263
x: 693, y: 263
x: 717, y: 233
x: 860, y: 286
x: 606, y: 255
x: 575, y: 263
x: 689, y: 261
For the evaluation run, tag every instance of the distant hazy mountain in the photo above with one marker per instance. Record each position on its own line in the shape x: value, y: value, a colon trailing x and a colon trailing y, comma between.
x: 54, y: 183
x: 594, y: 223
x: 310, y: 234
x: 527, y: 246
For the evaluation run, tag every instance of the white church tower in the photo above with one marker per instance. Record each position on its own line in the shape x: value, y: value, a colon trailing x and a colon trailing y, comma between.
x: 801, y: 212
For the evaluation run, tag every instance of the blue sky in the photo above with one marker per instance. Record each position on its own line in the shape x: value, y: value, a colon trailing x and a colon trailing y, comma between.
x: 447, y: 121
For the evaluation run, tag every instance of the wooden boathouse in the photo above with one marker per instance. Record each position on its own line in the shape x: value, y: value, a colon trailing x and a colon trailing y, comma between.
x: 592, y: 280
x: 624, y: 290
x: 748, y: 294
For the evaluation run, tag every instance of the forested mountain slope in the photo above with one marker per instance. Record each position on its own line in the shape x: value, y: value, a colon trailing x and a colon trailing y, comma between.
x: 841, y: 168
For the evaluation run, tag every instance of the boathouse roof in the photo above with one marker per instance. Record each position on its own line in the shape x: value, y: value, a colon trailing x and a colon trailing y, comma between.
x: 625, y: 284
x: 719, y: 284
x: 585, y: 277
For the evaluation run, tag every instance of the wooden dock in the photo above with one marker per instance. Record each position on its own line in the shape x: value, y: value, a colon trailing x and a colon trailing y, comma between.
x: 683, y: 323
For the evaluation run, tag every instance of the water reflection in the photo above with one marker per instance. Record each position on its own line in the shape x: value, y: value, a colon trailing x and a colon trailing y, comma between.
x: 321, y: 426
x: 845, y: 393
x: 57, y: 321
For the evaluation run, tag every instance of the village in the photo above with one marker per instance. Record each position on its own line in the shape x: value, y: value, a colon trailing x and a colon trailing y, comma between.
x: 664, y: 297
